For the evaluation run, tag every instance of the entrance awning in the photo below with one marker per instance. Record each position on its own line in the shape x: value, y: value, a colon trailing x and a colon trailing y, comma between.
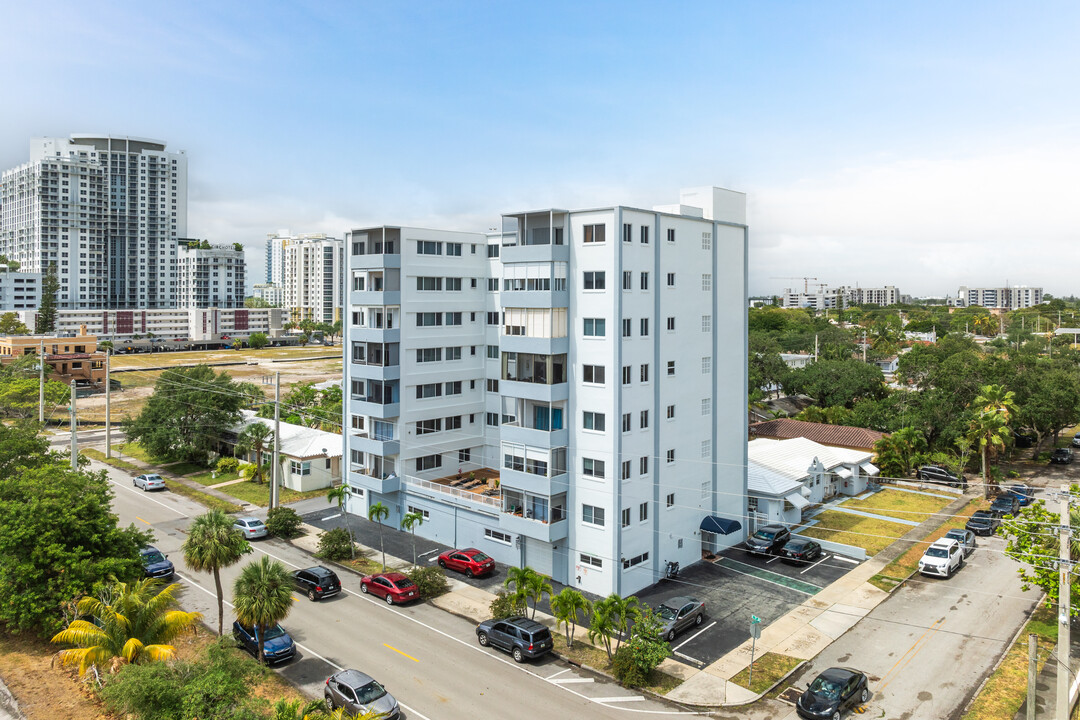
x: 870, y: 468
x: 798, y: 500
x: 719, y: 525
x: 842, y: 472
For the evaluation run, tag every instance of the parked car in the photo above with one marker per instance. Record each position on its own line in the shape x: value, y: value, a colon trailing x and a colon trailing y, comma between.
x: 832, y: 692
x: 1023, y: 493
x: 470, y: 561
x: 941, y: 476
x: 155, y: 564
x: 1061, y: 456
x: 678, y: 613
x: 392, y: 587
x: 1076, y: 440
x: 966, y: 538
x: 149, y: 482
x: 252, y: 527
x: 317, y: 582
x: 983, y: 522
x: 1023, y: 440
x: 277, y: 645
x: 800, y: 550
x: 1005, y: 505
x: 521, y: 637
x: 359, y: 693
x: 942, y: 558
x: 768, y: 540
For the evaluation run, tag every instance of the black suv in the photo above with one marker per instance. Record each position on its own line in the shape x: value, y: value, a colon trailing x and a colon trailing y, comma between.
x: 768, y: 540
x: 983, y: 522
x: 1007, y: 505
x: 523, y: 638
x: 1062, y: 456
x: 317, y: 582
x: 941, y: 476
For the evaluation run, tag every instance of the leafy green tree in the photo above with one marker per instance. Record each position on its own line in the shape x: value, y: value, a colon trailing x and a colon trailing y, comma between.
x: 1030, y: 543
x: 257, y: 341
x: 107, y: 346
x: 190, y: 410
x: 11, y: 325
x: 1047, y: 399
x: 568, y: 607
x: 213, y: 543
x: 837, y: 382
x: 988, y: 431
x: 408, y: 524
x: 255, y: 302
x: 58, y: 537
x: 645, y: 649
x: 304, y: 339
x: 336, y: 544
x: 262, y: 597
x: 340, y: 495
x: 258, y: 437
x: 377, y: 513
x: 19, y: 386
x: 136, y: 624
x: 283, y: 522
x: 895, y: 453
x: 238, y: 247
x: 46, y: 312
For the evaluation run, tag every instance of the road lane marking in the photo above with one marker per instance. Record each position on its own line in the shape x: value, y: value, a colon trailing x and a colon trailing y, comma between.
x: 401, y: 653
x: 620, y: 698
x: 823, y: 559
x: 429, y: 552
x: 144, y: 496
x: 694, y: 635
x: 563, y: 681
x: 933, y: 628
x: 141, y: 520
x: 550, y: 677
x: 769, y: 562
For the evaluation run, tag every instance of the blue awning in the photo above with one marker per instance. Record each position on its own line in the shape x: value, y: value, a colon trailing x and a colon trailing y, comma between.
x: 719, y: 525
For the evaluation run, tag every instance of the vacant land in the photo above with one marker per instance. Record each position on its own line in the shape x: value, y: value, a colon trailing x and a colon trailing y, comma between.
x: 868, y: 533
x: 900, y: 504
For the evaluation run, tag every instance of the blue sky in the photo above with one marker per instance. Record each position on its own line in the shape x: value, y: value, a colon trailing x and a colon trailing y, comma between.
x: 925, y: 145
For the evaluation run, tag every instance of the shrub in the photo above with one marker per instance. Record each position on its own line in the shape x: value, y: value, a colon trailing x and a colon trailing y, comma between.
x: 228, y: 465
x: 430, y: 581
x: 335, y: 544
x: 637, y: 657
x: 507, y: 604
x: 284, y: 523
x: 1013, y: 474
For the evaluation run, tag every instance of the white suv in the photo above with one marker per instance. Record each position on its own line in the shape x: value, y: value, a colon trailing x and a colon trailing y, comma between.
x: 942, y: 558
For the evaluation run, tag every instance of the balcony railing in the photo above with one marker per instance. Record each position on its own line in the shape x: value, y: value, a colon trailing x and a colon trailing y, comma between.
x: 494, y: 502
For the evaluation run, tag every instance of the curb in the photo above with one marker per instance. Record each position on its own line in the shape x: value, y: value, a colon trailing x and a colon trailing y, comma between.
x: 769, y: 689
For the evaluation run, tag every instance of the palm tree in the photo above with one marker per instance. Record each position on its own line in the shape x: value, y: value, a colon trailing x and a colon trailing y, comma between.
x: 262, y: 596
x: 996, y: 398
x: 377, y: 513
x: 257, y: 436
x: 621, y: 611
x: 602, y: 625
x: 988, y: 431
x: 340, y: 495
x: 519, y: 578
x: 213, y: 543
x: 567, y: 606
x: 137, y: 624
x: 408, y: 524
x: 535, y: 588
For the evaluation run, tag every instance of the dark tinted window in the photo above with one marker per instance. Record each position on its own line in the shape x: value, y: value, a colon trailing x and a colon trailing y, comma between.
x: 540, y: 635
x: 405, y: 583
x: 153, y: 556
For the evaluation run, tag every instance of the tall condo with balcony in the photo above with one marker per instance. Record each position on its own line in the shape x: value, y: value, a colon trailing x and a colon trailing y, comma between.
x: 210, y: 276
x: 312, y: 286
x: 564, y: 393
x: 105, y: 212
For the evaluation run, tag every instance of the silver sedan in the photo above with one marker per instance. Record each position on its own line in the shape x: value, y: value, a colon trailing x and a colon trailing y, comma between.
x: 678, y: 613
x: 149, y: 482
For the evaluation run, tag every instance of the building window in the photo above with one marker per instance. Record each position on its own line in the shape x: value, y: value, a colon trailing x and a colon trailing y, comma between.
x: 493, y: 352
x: 671, y: 456
x: 706, y: 323
x: 706, y: 365
x: 626, y: 327
x: 493, y: 251
x: 626, y: 375
x: 671, y: 367
x: 670, y: 412
x: 591, y: 467
x: 453, y: 249
x: 644, y: 234
x: 592, y: 374
x: 492, y: 385
x: 299, y: 468
x: 453, y: 422
x: 625, y: 470
x: 592, y: 515
x: 594, y: 280
x: 644, y: 281
x: 453, y: 318
x: 464, y: 456
x: 590, y: 560
x: 428, y: 247
x: 627, y: 280
x: 644, y: 419
x: 752, y: 504
x: 671, y: 279
x: 419, y: 511
x: 645, y: 373
x: 706, y: 449
x: 429, y: 283
x: 644, y: 327
x: 643, y: 465
x: 627, y: 233
x: 706, y: 406
x: 429, y: 390
x: 671, y: 500
x: 428, y: 462
x: 593, y: 421
x: 636, y: 560
x: 453, y: 353
x: 424, y: 355
x: 428, y: 319
x: 706, y: 282
x: 493, y: 318
x: 643, y: 512
x: 626, y: 422
x: 424, y: 427
x: 595, y: 327
x: 499, y: 537
x: 626, y: 517
x: 594, y: 233
x: 706, y: 241
x: 493, y: 284
x: 492, y: 419
x: 706, y: 487
x: 671, y: 235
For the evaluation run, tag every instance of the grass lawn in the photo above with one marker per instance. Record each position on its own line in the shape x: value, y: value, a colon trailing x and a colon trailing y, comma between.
x: 364, y: 565
x: 768, y: 670
x: 114, y: 461
x: 868, y: 533
x: 586, y: 654
x: 133, y: 449
x: 207, y: 478
x: 259, y: 493
x: 183, y: 468
x: 900, y: 504
x: 1006, y: 689
x: 200, y: 497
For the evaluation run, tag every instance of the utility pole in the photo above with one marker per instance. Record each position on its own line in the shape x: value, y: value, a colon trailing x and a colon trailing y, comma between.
x: 41, y: 381
x: 1033, y: 665
x: 815, y: 347
x: 864, y: 346
x: 74, y: 437
x: 1064, y: 613
x: 108, y: 399
x: 277, y: 442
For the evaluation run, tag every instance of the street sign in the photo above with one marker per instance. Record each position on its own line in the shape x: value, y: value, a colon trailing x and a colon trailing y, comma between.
x: 755, y: 631
x: 754, y: 619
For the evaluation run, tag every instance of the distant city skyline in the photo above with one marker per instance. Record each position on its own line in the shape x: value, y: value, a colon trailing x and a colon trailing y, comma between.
x: 922, y: 146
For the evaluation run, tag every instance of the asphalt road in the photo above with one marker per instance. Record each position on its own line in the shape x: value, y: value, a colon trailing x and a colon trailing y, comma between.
x: 428, y: 659
x: 928, y: 646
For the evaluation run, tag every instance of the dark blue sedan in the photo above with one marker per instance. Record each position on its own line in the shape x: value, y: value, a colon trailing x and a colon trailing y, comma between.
x: 278, y: 647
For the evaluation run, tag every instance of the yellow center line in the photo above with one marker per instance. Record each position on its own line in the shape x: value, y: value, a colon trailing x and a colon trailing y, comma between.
x: 400, y: 653
x: 905, y: 658
x: 141, y: 520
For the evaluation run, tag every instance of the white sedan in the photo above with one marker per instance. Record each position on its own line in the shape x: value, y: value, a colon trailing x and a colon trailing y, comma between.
x: 149, y: 482
x: 251, y: 527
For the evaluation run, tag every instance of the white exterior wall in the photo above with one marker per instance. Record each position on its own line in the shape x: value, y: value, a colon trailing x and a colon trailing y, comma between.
x: 196, y: 324
x: 210, y: 278
x: 312, y: 282
x: 19, y: 291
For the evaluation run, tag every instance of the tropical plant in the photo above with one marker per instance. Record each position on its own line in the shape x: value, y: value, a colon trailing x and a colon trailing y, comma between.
x: 568, y: 607
x: 283, y: 522
x: 257, y: 437
x: 262, y: 597
x: 639, y: 655
x: 430, y: 581
x: 988, y: 432
x: 213, y: 543
x: 227, y: 465
x: 408, y: 524
x: 257, y: 341
x: 336, y: 544
x: 340, y: 495
x: 1030, y: 544
x: 611, y: 619
x: 377, y: 513
x: 137, y: 623
x: 505, y: 605
x: 519, y: 578
x: 536, y: 586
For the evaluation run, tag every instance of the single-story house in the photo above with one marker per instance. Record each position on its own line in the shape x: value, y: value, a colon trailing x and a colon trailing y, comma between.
x: 310, y: 458
x: 817, y: 472
x: 841, y: 436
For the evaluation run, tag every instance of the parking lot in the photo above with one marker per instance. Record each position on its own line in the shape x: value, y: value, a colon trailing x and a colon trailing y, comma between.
x: 734, y: 588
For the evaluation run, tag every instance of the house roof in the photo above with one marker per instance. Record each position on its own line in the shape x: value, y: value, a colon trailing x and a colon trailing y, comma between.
x: 297, y: 441
x: 835, y: 435
x: 792, y: 458
x: 763, y: 480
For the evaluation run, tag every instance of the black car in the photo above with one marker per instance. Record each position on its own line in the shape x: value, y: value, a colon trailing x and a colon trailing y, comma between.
x: 277, y: 645
x: 983, y: 522
x: 800, y: 550
x: 521, y: 637
x: 941, y: 476
x: 155, y: 564
x: 1062, y: 456
x: 1005, y: 505
x: 768, y: 540
x: 832, y: 692
x: 317, y: 582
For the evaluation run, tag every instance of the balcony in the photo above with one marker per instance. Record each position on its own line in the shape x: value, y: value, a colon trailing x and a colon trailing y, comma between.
x: 384, y: 484
x: 479, y: 497
x: 535, y: 516
x: 373, y: 444
x: 375, y: 297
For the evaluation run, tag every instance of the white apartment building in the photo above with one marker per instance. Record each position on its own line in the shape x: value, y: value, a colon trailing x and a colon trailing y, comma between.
x: 1011, y: 298
x: 19, y: 290
x: 312, y: 286
x: 195, y: 324
x: 841, y: 297
x: 579, y: 355
x: 104, y: 211
x: 210, y: 277
x: 269, y: 292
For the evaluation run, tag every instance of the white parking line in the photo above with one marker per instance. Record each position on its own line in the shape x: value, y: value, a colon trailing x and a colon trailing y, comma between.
x: 564, y: 681
x: 331, y: 517
x: 846, y: 559
x: 619, y: 699
x: 687, y: 657
x: 823, y: 559
x: 769, y: 562
x: 552, y: 677
x: 694, y: 635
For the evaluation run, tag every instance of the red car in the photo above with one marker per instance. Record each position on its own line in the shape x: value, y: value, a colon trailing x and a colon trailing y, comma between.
x: 392, y: 587
x: 470, y: 561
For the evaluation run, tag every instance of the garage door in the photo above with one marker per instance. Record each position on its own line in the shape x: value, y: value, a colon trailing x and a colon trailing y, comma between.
x: 538, y: 556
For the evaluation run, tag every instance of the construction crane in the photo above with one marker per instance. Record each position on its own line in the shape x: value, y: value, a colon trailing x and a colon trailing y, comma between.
x: 806, y: 282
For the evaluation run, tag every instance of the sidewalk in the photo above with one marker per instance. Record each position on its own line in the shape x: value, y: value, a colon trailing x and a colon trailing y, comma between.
x: 1046, y: 682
